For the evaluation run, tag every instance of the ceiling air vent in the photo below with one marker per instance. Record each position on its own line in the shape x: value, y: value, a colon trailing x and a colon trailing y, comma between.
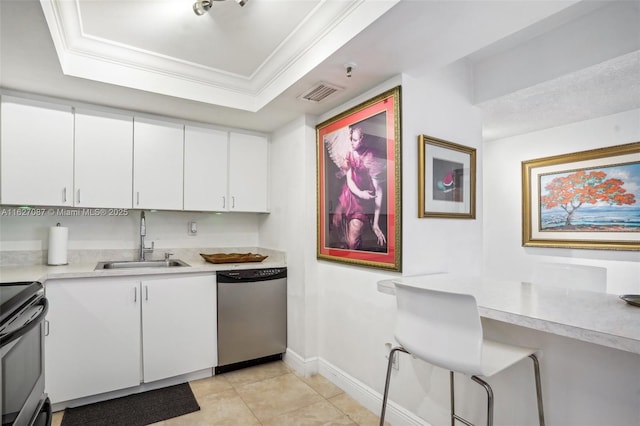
x: 320, y: 92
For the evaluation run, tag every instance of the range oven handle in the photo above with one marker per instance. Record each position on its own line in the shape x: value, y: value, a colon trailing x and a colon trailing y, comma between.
x: 10, y: 337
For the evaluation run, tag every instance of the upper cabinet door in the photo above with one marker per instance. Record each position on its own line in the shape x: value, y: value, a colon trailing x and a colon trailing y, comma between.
x: 36, y: 161
x: 157, y: 165
x: 205, y: 169
x: 248, y: 172
x: 103, y: 160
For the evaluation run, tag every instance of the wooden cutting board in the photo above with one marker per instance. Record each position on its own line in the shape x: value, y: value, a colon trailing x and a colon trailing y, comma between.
x: 233, y: 257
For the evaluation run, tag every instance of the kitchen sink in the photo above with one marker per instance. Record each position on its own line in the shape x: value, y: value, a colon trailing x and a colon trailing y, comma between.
x: 126, y: 264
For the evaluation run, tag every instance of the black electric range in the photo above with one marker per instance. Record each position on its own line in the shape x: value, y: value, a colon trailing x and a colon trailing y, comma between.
x: 23, y: 307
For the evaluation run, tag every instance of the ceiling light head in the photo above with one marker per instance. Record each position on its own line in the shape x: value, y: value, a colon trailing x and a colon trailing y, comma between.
x: 200, y: 7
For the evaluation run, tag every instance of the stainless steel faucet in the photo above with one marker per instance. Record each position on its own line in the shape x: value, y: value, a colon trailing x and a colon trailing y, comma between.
x: 143, y: 233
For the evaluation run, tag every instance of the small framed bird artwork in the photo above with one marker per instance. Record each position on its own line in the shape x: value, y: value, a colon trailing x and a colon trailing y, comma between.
x: 447, y: 179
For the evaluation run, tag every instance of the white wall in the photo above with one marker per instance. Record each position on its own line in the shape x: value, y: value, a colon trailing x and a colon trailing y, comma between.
x: 439, y: 106
x: 602, y: 31
x: 504, y: 254
x: 355, y: 319
x: 583, y: 384
x: 290, y: 227
x: 166, y: 228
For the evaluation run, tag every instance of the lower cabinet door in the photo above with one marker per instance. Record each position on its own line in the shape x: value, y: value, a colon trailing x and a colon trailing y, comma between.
x: 92, y: 342
x: 178, y: 325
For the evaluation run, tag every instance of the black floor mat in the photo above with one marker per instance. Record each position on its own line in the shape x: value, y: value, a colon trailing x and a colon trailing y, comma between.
x: 135, y: 410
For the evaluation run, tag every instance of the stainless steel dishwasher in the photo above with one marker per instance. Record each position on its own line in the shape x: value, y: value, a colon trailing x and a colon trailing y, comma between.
x: 252, y: 317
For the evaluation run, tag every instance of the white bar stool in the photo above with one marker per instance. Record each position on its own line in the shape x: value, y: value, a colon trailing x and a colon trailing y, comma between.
x: 444, y: 329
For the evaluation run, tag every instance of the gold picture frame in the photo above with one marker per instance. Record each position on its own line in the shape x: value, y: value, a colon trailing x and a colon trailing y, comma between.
x: 585, y: 200
x: 361, y: 224
x: 446, y: 179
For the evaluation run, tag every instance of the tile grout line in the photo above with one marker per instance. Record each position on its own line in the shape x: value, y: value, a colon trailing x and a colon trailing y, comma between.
x: 285, y: 412
x: 309, y: 384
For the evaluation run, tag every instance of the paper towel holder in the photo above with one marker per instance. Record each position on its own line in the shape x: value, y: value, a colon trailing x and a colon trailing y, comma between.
x: 57, y: 253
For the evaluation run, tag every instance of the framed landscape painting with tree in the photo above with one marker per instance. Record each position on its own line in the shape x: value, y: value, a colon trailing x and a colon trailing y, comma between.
x: 589, y: 199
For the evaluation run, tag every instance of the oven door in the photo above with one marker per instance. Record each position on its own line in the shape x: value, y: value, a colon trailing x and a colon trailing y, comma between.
x: 22, y: 368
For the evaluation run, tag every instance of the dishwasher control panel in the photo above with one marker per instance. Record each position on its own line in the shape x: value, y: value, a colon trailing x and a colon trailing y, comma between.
x: 249, y: 275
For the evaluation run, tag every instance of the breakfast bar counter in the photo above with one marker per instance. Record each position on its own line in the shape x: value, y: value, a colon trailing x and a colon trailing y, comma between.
x: 598, y: 318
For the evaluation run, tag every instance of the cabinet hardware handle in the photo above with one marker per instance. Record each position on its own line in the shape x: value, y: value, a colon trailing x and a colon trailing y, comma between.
x: 224, y: 201
x: 137, y: 198
x: 64, y: 194
x: 78, y: 196
x: 46, y: 327
x: 146, y: 292
x: 233, y: 202
x: 135, y: 295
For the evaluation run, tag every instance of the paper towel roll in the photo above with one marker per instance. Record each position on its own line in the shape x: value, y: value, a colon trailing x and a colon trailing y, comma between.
x: 58, y: 239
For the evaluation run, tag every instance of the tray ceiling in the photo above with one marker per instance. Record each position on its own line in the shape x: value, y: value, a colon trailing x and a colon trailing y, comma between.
x: 238, y: 57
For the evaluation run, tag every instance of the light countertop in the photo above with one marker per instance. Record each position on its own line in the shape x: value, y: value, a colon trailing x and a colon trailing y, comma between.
x: 599, y: 318
x: 43, y: 273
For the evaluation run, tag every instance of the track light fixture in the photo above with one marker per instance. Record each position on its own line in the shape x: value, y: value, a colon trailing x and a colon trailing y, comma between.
x: 200, y: 7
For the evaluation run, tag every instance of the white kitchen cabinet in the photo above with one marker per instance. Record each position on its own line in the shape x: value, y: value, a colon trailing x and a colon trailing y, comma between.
x: 157, y: 164
x: 248, y: 172
x: 103, y: 160
x: 96, y: 159
x: 178, y: 325
x: 36, y: 157
x: 205, y: 169
x: 92, y: 344
x: 106, y: 334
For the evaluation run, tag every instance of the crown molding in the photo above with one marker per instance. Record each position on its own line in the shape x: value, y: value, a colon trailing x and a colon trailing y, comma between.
x: 323, y: 31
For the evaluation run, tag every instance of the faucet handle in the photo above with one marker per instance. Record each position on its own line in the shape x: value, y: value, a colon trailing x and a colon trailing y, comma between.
x: 167, y: 255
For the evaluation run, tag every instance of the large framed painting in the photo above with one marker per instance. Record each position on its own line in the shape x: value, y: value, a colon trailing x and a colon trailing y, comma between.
x: 358, y: 156
x: 588, y: 199
x: 446, y: 179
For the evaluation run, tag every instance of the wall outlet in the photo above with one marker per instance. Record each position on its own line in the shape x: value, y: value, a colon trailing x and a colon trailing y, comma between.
x: 396, y: 358
x: 193, y: 228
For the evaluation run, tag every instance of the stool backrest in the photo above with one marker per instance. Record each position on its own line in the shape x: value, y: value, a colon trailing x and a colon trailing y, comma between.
x: 440, y: 327
x: 572, y: 277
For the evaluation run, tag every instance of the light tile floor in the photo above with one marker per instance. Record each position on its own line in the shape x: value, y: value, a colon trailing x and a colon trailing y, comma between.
x: 270, y: 395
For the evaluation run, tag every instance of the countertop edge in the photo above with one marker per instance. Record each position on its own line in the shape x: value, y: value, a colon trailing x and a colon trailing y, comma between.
x: 565, y: 330
x: 604, y: 337
x: 45, y: 273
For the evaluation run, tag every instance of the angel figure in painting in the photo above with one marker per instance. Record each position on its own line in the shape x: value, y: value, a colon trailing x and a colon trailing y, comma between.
x: 361, y: 194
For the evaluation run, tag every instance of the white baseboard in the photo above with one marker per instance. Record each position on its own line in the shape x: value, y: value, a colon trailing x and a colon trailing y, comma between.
x: 304, y: 367
x: 143, y: 387
x: 368, y: 397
